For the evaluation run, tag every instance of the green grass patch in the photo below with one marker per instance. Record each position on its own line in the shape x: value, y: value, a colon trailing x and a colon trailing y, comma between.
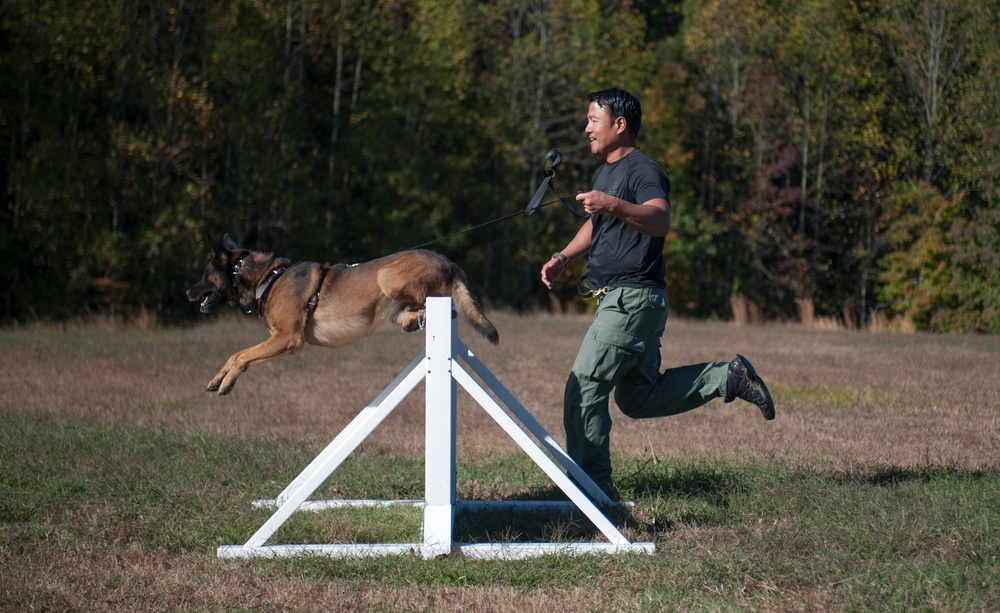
x: 843, y: 398
x: 736, y: 534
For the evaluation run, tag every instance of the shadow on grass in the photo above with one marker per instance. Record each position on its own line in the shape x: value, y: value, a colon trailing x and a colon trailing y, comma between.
x: 513, y: 525
x: 893, y: 476
x: 678, y: 479
x: 664, y: 494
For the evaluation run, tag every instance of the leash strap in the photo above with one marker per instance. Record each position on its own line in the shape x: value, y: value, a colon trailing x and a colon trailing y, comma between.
x: 552, y: 159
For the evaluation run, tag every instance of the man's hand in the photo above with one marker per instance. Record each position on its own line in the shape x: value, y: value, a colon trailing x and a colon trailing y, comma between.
x: 596, y: 202
x: 651, y: 217
x: 551, y: 271
x: 577, y: 248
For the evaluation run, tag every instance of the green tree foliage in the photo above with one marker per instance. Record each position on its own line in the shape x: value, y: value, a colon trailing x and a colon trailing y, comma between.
x: 844, y: 154
x: 917, y: 267
x: 801, y: 131
x: 723, y: 41
x: 940, y: 268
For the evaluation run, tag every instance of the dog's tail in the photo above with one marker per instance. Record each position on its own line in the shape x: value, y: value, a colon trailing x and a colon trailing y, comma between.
x: 469, y: 309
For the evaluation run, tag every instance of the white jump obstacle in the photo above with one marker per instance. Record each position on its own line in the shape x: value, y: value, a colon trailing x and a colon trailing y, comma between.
x: 438, y: 363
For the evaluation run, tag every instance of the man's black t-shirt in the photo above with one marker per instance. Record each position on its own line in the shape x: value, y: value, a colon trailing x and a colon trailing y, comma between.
x: 620, y: 255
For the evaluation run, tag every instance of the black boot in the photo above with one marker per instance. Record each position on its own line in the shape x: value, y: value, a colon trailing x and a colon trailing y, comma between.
x: 744, y: 383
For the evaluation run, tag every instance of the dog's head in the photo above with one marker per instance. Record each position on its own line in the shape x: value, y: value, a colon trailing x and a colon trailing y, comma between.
x: 220, y: 281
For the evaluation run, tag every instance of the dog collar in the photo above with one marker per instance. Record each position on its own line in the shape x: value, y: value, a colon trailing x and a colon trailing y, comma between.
x: 236, y: 273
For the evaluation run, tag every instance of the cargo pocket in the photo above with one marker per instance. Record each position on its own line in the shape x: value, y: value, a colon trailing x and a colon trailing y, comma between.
x: 649, y: 318
x: 616, y: 321
x: 601, y: 361
x: 628, y: 324
x: 609, y: 347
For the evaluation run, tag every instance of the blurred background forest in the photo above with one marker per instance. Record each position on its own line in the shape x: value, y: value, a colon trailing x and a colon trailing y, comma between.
x: 836, y: 158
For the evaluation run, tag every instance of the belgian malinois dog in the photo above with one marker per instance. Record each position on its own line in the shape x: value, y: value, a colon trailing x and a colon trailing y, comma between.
x: 328, y: 305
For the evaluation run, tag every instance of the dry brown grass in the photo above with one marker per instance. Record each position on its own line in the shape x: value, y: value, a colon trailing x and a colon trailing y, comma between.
x: 140, y: 581
x: 844, y: 399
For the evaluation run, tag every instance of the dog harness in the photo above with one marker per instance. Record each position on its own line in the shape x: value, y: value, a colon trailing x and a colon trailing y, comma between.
x: 264, y: 288
x: 260, y: 296
x: 314, y: 299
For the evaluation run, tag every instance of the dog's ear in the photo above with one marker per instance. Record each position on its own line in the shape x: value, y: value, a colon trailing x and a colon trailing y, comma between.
x: 229, y: 243
x: 216, y: 248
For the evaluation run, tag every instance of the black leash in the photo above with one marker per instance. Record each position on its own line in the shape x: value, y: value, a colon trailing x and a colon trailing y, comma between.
x: 552, y: 159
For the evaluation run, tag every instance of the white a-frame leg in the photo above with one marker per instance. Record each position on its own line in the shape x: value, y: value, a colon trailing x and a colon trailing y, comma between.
x: 443, y: 371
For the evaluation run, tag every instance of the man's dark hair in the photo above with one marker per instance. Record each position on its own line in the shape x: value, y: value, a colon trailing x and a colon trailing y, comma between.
x: 620, y: 103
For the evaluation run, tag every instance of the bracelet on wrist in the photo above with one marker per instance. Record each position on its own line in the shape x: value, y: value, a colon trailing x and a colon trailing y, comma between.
x: 558, y: 255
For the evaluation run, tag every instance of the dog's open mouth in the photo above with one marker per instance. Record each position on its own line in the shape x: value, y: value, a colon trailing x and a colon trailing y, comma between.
x: 208, y: 302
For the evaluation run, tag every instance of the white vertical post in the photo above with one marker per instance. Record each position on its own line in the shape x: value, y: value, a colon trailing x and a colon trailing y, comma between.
x: 439, y: 467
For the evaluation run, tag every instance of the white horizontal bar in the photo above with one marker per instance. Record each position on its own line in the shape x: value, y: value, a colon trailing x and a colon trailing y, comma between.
x: 346, y: 550
x: 322, y: 505
x: 565, y: 506
x: 477, y: 551
x: 520, y: 551
x: 472, y: 505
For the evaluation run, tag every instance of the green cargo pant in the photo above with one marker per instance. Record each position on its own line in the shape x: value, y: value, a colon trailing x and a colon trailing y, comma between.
x: 621, y: 353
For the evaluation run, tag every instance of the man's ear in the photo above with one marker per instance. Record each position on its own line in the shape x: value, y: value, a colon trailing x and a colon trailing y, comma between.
x: 621, y: 125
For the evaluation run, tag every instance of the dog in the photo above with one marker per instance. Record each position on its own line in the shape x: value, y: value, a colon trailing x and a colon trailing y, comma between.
x: 327, y: 305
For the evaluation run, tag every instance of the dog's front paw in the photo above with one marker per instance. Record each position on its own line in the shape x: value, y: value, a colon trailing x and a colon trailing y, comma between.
x: 228, y: 382
x: 218, y: 379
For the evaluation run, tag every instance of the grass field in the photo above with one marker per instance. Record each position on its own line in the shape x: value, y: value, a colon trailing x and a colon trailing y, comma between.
x: 876, y: 488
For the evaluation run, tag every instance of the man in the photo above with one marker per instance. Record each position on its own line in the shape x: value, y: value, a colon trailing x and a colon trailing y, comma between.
x: 629, y: 207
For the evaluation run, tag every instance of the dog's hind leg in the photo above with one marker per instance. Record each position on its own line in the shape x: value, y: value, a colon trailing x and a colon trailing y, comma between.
x: 413, y: 318
x: 274, y: 347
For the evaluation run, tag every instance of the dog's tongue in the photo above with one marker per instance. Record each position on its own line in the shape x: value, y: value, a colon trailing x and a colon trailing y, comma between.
x: 204, y: 303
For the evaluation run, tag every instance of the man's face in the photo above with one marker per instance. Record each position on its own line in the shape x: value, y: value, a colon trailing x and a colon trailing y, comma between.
x: 601, y: 130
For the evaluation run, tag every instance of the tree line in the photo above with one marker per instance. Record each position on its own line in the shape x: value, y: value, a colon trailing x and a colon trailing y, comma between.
x: 835, y: 155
